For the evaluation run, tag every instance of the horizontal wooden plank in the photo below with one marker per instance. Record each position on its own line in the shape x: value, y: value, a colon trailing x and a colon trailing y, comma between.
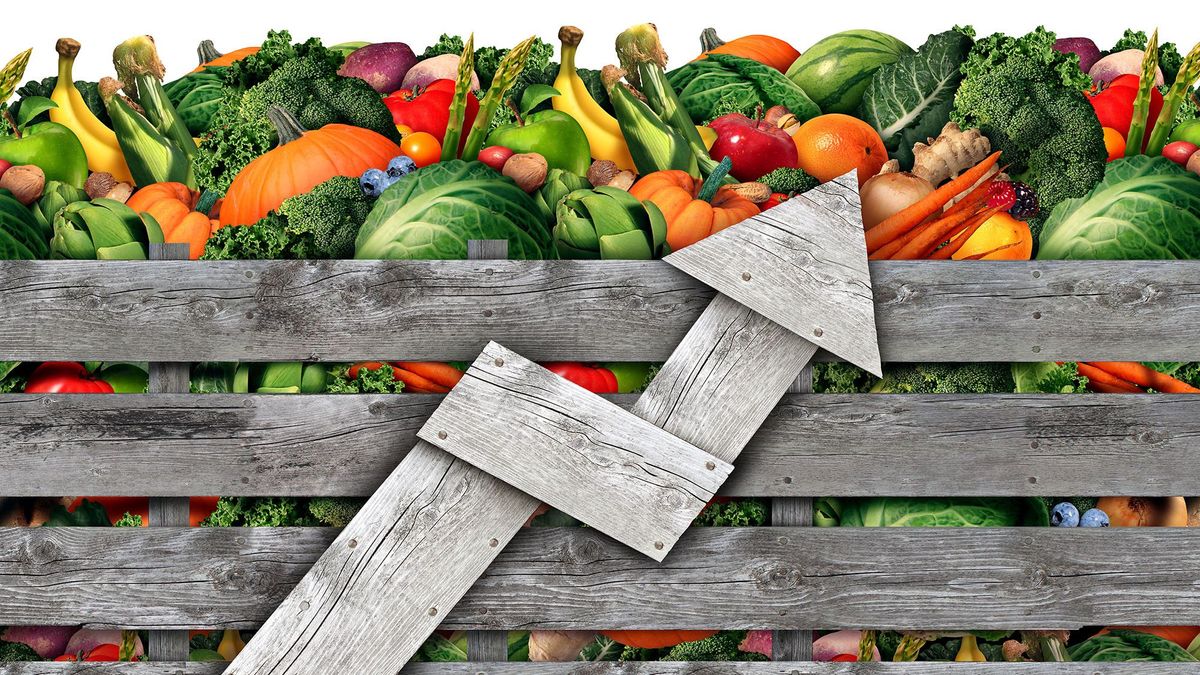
x: 649, y: 668
x: 568, y: 447
x: 98, y: 668
x: 566, y: 310
x: 811, y: 445
x: 768, y: 578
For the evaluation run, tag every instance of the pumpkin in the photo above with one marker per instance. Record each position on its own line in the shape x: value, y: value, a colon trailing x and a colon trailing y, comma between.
x: 765, y: 49
x: 301, y: 161
x: 209, y: 56
x: 1145, y: 511
x: 656, y: 639
x: 181, y: 212
x: 693, y: 210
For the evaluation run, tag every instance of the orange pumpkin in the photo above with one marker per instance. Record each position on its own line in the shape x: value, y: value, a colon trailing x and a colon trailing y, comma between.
x: 765, y: 49
x: 209, y: 56
x: 656, y: 639
x: 1145, y: 511
x: 303, y: 160
x: 693, y: 210
x: 178, y: 211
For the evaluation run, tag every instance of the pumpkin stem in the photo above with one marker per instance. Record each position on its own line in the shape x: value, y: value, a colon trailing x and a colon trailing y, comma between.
x: 207, y: 51
x: 287, y: 127
x: 207, y: 200
x: 709, y: 188
x: 709, y: 40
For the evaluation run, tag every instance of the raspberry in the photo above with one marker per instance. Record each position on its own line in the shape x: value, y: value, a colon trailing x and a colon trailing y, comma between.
x: 1001, y: 194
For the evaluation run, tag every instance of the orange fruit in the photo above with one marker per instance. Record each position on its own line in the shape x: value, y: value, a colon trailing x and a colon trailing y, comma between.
x: 1114, y: 142
x: 999, y: 230
x: 828, y: 146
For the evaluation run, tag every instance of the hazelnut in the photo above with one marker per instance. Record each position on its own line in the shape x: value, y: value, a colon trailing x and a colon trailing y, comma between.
x: 528, y: 169
x: 121, y: 192
x: 25, y: 182
x: 1193, y: 163
x: 602, y: 171
x: 755, y: 192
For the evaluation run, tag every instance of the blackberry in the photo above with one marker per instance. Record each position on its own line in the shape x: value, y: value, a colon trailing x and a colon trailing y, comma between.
x: 1026, y: 205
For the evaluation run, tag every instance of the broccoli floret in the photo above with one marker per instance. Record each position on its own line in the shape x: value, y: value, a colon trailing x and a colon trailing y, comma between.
x: 446, y: 44
x: 128, y: 520
x: 12, y: 379
x: 17, y: 651
x: 640, y: 654
x: 721, y: 647
x: 789, y: 181
x: 90, y: 92
x: 377, y: 381
x: 1027, y: 98
x: 946, y: 378
x: 735, y: 513
x: 1169, y: 58
x: 323, y: 222
x: 835, y: 377
x: 259, y: 512
x: 264, y: 240
x: 335, y: 511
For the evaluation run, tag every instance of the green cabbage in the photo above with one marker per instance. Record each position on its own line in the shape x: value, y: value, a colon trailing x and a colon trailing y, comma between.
x: 1146, y: 208
x: 431, y: 213
x: 942, y: 512
x: 1129, y: 645
x: 723, y: 83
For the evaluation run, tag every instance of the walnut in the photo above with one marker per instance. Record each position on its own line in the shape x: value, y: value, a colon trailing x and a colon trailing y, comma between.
x: 25, y: 182
x: 528, y: 169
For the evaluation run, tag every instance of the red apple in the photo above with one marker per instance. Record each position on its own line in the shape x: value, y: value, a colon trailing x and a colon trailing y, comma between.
x: 755, y: 147
x: 4, y: 166
x: 1179, y: 152
x: 495, y: 156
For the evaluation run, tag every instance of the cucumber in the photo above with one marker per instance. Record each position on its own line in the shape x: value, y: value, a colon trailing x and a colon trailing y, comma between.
x: 836, y: 71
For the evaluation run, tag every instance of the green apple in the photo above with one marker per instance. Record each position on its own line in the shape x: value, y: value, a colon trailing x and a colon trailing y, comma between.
x: 53, y: 148
x: 552, y: 134
x: 1188, y: 131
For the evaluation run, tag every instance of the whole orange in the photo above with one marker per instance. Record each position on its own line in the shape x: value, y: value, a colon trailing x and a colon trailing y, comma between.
x: 828, y: 146
x: 999, y: 231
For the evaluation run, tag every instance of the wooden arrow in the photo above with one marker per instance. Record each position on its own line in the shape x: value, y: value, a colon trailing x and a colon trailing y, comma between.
x: 437, y: 522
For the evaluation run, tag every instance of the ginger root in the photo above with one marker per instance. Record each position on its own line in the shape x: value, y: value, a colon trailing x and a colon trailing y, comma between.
x: 951, y: 153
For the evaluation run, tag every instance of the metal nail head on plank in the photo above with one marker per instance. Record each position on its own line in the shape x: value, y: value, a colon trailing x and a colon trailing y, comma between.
x: 791, y: 281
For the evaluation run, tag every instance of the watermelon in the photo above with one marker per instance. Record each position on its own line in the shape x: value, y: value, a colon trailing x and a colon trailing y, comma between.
x: 836, y: 71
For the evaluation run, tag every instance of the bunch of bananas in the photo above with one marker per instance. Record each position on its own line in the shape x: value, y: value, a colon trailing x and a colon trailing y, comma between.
x: 608, y: 223
x: 99, y: 142
x: 602, y: 129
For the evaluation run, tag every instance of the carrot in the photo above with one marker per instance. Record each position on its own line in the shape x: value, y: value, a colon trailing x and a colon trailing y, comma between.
x: 1101, y: 388
x: 416, y: 384
x: 897, y: 224
x: 939, y: 232
x: 947, y: 251
x: 1102, y: 378
x: 889, y: 249
x: 1145, y: 377
x: 442, y: 374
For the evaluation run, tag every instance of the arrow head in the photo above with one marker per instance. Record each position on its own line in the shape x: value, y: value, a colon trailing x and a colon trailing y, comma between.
x: 803, y: 265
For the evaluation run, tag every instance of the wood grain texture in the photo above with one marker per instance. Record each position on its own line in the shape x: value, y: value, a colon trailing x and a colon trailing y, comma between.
x: 803, y: 265
x: 810, y: 445
x: 649, y: 668
x: 615, y: 310
x: 137, y: 668
x: 570, y: 448
x: 793, y: 645
x: 579, y: 579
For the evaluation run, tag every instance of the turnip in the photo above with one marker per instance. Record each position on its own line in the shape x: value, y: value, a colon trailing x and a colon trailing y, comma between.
x: 1128, y: 62
x: 383, y: 65
x: 48, y: 641
x: 1087, y: 50
x: 843, y: 642
x: 86, y: 639
x: 444, y: 67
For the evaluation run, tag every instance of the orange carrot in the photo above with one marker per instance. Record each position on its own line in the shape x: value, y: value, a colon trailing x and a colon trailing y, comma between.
x: 1103, y: 378
x: 1145, y: 377
x: 947, y: 251
x: 443, y: 374
x: 939, y: 232
x: 415, y: 384
x: 1101, y: 388
x: 897, y: 224
x: 889, y: 249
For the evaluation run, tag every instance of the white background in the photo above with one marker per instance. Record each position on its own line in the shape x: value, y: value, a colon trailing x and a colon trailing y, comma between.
x: 179, y: 26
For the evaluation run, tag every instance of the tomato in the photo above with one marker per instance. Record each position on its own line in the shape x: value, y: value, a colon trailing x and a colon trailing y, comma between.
x: 66, y: 657
x: 428, y: 109
x: 845, y: 657
x: 104, y: 653
x: 593, y: 378
x: 65, y: 377
x: 422, y: 147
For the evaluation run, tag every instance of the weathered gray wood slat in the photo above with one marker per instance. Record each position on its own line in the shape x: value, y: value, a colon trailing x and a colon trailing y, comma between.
x: 570, y: 448
x: 793, y: 645
x: 649, y: 668
x: 617, y: 310
x: 810, y: 445
x: 579, y: 579
x: 98, y: 668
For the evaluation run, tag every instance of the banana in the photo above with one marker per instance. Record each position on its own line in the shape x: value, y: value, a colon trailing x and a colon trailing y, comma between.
x: 99, y: 142
x: 602, y: 130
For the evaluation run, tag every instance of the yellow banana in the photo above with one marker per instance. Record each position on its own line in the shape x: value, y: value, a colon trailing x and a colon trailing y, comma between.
x: 602, y: 131
x: 99, y: 142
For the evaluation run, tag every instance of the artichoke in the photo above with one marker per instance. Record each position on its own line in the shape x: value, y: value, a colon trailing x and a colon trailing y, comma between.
x: 558, y: 185
x: 608, y: 223
x: 103, y: 229
x: 54, y: 197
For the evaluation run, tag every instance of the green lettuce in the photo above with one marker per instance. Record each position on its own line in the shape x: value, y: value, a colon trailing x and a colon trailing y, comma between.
x: 1146, y: 208
x: 1129, y: 645
x: 431, y: 213
x: 941, y: 512
x: 723, y: 83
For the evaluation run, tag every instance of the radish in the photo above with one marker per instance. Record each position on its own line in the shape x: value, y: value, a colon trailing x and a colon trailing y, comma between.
x: 1128, y: 62
x: 444, y: 67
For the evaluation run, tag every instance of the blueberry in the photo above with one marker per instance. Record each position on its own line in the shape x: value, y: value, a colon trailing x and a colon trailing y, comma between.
x: 373, y: 182
x: 1065, y: 515
x: 400, y: 166
x: 1094, y: 518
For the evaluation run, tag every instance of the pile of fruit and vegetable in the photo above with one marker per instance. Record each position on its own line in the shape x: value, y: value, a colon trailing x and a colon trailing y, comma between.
x: 1005, y: 147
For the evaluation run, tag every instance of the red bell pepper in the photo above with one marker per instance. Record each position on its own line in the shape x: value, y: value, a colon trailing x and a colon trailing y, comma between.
x: 595, y: 379
x: 104, y: 653
x: 1114, y: 104
x: 65, y: 377
x: 428, y: 109
x: 774, y: 200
